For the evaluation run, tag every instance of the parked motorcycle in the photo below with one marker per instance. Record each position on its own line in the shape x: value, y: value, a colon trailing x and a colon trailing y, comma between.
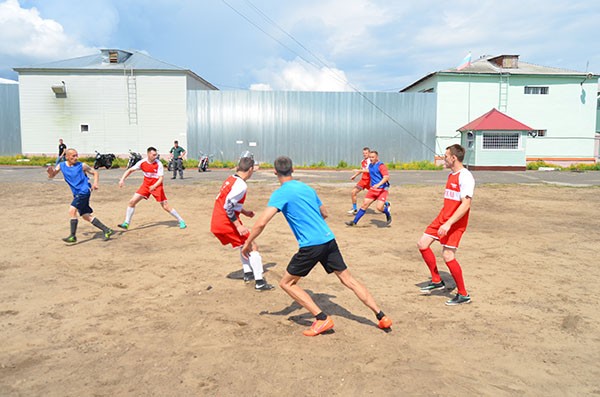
x: 104, y: 160
x: 203, y: 162
x: 134, y: 157
x: 170, y: 165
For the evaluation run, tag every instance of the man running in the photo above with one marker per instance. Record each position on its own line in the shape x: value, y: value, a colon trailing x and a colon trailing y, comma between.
x: 152, y: 185
x: 75, y: 174
x: 305, y: 213
x: 449, y: 226
x: 227, y: 226
x: 365, y: 180
x: 378, y: 191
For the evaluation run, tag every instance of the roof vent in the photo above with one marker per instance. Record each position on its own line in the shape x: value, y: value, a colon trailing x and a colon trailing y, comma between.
x: 113, y: 56
x: 506, y: 61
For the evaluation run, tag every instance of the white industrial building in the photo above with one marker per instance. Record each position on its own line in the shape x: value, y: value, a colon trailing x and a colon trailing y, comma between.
x: 112, y: 101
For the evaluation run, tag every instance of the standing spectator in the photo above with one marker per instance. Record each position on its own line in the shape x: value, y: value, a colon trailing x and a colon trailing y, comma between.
x: 177, y: 153
x: 62, y: 151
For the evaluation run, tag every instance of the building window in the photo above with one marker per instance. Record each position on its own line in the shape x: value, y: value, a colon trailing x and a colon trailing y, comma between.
x: 85, y: 128
x: 501, y: 141
x: 536, y: 90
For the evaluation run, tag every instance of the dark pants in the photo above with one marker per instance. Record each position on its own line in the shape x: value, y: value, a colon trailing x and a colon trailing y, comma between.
x: 178, y: 165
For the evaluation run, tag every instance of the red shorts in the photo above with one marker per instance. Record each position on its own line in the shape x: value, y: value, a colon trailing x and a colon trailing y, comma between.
x: 158, y: 193
x: 377, y: 194
x: 362, y: 184
x: 450, y: 240
x: 231, y: 238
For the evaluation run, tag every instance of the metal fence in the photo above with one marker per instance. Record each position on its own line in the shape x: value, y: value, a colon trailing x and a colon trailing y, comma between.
x: 10, y: 123
x: 311, y: 127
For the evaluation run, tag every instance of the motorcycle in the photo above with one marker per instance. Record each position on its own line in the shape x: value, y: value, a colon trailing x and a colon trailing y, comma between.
x: 203, y: 162
x: 104, y: 160
x: 170, y: 165
x: 134, y: 157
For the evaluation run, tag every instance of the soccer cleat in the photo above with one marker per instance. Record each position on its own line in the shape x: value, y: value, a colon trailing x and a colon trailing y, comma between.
x: 182, y: 225
x: 388, y: 219
x: 459, y: 300
x: 352, y: 212
x: 262, y: 285
x: 432, y: 287
x: 108, y: 233
x: 174, y: 177
x: 318, y: 327
x: 350, y: 223
x: 385, y: 323
x: 249, y: 276
x: 70, y: 239
x: 124, y: 225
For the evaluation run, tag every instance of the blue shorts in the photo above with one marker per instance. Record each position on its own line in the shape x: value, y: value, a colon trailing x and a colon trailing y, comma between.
x: 307, y: 257
x: 82, y: 203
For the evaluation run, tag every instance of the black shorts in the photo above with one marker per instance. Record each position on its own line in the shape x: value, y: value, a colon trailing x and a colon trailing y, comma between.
x: 82, y: 203
x: 307, y: 257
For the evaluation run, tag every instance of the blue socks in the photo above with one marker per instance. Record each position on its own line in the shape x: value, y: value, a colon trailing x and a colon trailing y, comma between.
x: 359, y: 215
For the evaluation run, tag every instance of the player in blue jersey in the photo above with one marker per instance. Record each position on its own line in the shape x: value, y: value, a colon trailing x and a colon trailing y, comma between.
x: 378, y: 192
x: 75, y: 174
x: 306, y: 215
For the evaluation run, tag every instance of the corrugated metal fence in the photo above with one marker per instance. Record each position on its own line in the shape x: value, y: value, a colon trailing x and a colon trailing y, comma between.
x: 10, y: 124
x: 311, y: 127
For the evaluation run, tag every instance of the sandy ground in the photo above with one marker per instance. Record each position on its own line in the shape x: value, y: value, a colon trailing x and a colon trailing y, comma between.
x: 159, y: 311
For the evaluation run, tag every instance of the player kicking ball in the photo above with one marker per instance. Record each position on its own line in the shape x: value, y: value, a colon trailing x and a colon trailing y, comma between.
x: 75, y: 174
x: 228, y: 228
x: 151, y: 186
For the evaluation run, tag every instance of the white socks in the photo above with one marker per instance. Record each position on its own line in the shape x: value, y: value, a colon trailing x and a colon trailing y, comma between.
x: 256, y: 264
x: 176, y: 215
x: 129, y: 214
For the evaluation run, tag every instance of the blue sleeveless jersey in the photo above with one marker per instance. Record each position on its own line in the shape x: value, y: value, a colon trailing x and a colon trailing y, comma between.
x: 76, y: 178
x: 376, y: 176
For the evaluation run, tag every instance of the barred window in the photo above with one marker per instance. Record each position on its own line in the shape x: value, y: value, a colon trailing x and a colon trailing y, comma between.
x: 501, y: 141
x: 536, y: 90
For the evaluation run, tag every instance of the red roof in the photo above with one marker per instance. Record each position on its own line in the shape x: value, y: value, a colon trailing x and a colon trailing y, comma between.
x: 495, y: 120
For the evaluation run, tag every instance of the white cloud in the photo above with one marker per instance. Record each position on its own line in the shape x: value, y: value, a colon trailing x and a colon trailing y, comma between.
x: 27, y: 37
x: 298, y: 75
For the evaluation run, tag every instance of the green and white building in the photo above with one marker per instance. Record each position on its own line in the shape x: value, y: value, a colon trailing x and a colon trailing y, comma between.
x: 561, y: 106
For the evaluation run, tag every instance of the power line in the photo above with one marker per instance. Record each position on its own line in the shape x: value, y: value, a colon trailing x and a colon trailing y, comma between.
x: 322, y: 63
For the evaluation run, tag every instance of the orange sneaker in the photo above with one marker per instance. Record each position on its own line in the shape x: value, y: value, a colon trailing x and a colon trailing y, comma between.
x: 319, y: 326
x: 385, y: 323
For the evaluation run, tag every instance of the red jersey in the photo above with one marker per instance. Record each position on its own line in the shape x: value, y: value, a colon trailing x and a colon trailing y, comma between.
x: 460, y: 184
x: 152, y: 171
x: 366, y: 178
x: 228, y: 206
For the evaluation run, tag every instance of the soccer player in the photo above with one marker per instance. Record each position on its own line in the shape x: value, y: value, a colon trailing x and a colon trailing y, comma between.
x: 75, y: 174
x: 227, y: 226
x: 152, y: 185
x: 306, y: 215
x: 364, y: 181
x: 378, y: 191
x: 449, y: 226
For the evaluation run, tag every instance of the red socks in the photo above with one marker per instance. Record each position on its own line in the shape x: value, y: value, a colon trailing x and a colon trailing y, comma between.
x: 456, y: 272
x: 429, y: 258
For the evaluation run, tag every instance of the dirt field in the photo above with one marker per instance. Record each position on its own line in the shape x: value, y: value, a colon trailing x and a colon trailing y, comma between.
x: 159, y: 311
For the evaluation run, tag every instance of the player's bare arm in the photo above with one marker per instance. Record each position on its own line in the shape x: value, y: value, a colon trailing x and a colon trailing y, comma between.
x: 158, y: 182
x: 462, y: 209
x: 89, y: 170
x: 125, y: 175
x: 53, y: 171
x: 324, y: 212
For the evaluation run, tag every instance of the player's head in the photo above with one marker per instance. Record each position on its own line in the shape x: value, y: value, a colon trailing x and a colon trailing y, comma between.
x: 283, y: 166
x: 71, y: 155
x: 245, y: 164
x: 457, y: 151
x: 366, y: 152
x: 152, y: 153
x: 374, y: 156
x: 176, y: 143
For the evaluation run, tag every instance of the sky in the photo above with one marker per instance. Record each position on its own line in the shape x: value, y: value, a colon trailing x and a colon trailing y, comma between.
x: 305, y: 45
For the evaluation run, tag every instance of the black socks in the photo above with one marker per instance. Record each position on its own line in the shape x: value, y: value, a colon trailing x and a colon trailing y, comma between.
x: 74, y: 226
x: 321, y: 316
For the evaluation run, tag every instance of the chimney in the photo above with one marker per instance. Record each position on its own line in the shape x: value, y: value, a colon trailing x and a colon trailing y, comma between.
x: 506, y: 61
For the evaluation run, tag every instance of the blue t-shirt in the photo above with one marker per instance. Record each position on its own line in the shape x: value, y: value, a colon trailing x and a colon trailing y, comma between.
x: 300, y: 205
x: 76, y: 178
